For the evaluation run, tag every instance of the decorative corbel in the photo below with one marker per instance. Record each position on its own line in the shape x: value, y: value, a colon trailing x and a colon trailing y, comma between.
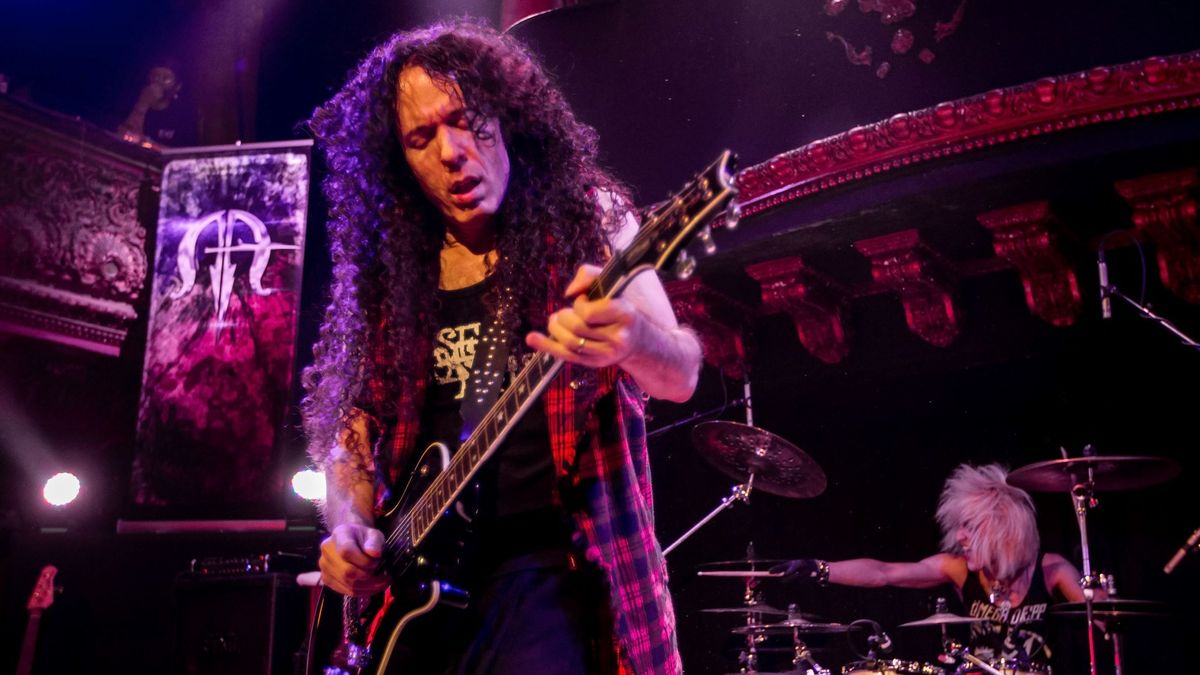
x: 901, y: 263
x: 1164, y: 209
x: 721, y: 322
x: 813, y: 300
x: 1027, y: 236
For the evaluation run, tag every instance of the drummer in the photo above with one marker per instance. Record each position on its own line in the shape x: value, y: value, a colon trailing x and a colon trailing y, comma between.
x: 991, y: 554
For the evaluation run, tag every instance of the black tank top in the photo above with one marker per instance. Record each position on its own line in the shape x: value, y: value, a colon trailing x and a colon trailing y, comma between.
x: 1014, y: 633
x: 517, y: 511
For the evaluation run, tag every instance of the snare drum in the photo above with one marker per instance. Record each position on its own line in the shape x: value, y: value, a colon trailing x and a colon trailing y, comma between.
x: 891, y: 667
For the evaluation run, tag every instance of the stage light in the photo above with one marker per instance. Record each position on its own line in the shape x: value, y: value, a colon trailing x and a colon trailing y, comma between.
x: 61, y: 489
x: 309, y: 484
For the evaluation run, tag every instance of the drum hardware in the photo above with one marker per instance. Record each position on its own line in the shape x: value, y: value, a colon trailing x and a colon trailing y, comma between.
x: 791, y: 627
x: 890, y: 667
x: 960, y: 652
x: 1082, y: 477
x: 1113, y: 609
x: 757, y: 459
x: 802, y: 657
x: 761, y: 609
x: 751, y: 597
x: 878, y: 642
x: 942, y: 619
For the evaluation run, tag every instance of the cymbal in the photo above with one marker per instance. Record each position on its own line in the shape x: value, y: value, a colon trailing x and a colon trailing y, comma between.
x: 740, y: 450
x: 1114, y: 609
x: 740, y: 569
x: 746, y: 609
x: 942, y: 619
x: 1107, y: 473
x: 787, y: 626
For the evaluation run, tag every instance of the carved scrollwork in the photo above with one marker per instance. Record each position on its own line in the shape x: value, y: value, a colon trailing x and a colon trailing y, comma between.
x: 72, y: 248
x: 1049, y: 105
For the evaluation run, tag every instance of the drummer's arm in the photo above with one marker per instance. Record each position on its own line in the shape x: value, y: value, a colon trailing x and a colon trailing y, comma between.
x: 866, y: 572
x: 1063, y: 577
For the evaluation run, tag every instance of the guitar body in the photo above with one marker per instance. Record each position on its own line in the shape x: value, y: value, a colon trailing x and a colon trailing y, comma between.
x: 425, y: 596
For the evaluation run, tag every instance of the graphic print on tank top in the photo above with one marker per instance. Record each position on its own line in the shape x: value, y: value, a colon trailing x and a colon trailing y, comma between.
x: 469, y: 367
x: 1012, y: 633
x: 454, y: 355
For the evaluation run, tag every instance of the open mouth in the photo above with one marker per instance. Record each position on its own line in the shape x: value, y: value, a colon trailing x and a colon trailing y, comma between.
x: 462, y: 187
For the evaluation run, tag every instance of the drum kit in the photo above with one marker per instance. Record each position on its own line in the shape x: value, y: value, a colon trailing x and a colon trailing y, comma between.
x: 761, y: 460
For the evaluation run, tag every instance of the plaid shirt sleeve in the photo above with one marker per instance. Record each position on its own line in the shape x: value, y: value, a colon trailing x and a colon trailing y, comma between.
x: 598, y: 437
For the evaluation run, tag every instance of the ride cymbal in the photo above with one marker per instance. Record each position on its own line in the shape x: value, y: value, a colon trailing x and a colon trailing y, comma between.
x: 1113, y: 609
x: 1104, y: 473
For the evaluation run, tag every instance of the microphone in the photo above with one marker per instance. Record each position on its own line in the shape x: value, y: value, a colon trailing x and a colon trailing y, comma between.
x: 1182, y: 552
x: 1105, y: 301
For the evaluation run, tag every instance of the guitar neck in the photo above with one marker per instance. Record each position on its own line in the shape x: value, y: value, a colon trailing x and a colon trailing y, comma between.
x: 29, y: 644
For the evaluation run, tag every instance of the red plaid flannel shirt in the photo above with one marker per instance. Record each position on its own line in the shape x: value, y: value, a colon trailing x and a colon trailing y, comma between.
x: 598, y: 440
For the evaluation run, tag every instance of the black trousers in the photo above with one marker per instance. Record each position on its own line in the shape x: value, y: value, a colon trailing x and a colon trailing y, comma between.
x: 538, y: 614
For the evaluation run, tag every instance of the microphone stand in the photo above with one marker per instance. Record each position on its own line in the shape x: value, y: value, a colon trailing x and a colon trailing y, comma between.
x: 1145, y: 312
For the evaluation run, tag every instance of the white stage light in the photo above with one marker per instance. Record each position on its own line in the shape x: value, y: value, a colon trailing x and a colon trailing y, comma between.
x: 309, y: 484
x: 61, y: 489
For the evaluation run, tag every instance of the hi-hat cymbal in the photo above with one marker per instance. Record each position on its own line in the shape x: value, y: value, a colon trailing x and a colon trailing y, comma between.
x: 1113, y: 609
x: 1105, y: 473
x: 941, y: 619
x: 760, y: 608
x: 740, y: 569
x: 740, y: 450
x: 788, y: 626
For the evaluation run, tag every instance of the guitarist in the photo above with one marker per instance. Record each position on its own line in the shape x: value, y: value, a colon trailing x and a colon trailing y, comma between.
x: 466, y: 201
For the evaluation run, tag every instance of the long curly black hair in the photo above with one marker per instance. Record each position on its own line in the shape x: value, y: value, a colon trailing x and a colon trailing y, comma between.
x: 385, y: 237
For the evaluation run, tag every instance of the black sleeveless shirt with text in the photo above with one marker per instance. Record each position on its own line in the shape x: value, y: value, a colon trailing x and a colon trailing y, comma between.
x: 1016, y: 632
x: 517, y: 512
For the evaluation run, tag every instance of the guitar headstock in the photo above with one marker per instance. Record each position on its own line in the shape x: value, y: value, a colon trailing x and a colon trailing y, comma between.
x: 43, y: 591
x: 670, y: 226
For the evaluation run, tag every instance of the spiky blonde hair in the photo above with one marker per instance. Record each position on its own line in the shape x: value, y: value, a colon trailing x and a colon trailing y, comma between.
x: 1000, y: 519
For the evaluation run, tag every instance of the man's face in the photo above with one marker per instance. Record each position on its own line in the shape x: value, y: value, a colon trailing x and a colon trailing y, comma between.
x: 463, y: 174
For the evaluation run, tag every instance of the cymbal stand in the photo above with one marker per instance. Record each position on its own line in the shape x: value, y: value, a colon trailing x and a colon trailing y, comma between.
x: 751, y: 597
x: 802, y: 657
x: 1083, y: 494
x: 739, y: 493
x: 1112, y: 632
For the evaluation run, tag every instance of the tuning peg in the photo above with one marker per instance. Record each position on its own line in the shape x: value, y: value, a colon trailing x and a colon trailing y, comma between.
x: 706, y: 240
x: 685, y: 266
x: 732, y: 215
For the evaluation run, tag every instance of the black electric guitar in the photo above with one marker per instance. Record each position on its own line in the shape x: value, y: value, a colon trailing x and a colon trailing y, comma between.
x: 420, y: 563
